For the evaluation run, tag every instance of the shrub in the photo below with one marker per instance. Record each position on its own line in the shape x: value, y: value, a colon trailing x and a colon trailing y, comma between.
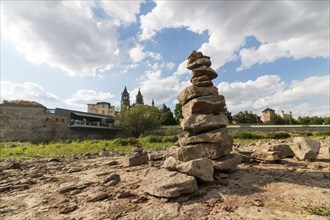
x: 321, y: 133
x: 278, y: 135
x: 125, y: 141
x: 172, y: 130
x: 246, y: 135
x: 172, y: 138
x: 153, y: 139
x: 322, y: 211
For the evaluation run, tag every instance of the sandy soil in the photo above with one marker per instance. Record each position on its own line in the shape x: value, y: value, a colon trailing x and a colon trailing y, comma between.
x: 84, y: 189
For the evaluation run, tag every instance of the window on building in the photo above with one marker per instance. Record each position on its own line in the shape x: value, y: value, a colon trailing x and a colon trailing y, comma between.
x: 102, y: 111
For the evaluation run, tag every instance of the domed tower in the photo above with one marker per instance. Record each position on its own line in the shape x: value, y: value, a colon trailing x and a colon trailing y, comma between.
x: 139, y: 98
x: 125, y: 103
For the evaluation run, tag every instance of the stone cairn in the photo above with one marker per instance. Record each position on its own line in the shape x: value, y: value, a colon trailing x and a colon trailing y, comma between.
x: 204, y: 145
x: 138, y: 156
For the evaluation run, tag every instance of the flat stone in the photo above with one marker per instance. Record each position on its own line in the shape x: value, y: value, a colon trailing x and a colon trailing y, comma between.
x: 216, y: 136
x: 99, y: 197
x: 195, y: 55
x: 155, y: 156
x: 203, y: 122
x: 203, y: 61
x: 202, y: 168
x: 305, y: 149
x: 228, y: 163
x: 66, y: 188
x: 192, y: 92
x: 136, y: 161
x: 204, y: 71
x: 168, y: 184
x: 115, y: 178
x: 68, y: 209
x: 203, y: 150
x: 265, y: 155
x: 197, y: 79
x: 283, y: 148
x: 203, y: 84
x: 213, y: 104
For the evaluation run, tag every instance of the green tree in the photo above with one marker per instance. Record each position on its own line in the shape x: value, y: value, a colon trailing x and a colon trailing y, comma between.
x: 228, y: 115
x: 245, y: 117
x: 277, y: 120
x: 327, y: 120
x: 178, y: 112
x: 139, y: 119
x: 167, y: 118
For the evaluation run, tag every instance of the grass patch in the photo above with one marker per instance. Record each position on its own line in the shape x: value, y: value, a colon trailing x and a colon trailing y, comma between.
x: 68, y: 148
x: 322, y: 211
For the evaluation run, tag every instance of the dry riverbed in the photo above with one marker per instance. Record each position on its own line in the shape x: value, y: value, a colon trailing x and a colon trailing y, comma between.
x: 103, y: 188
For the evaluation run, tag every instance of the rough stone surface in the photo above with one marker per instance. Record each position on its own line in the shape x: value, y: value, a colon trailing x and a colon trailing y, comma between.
x: 202, y: 169
x: 204, y: 71
x: 203, y: 150
x: 203, y: 61
x: 203, y: 122
x: 265, y: 155
x: 192, y: 92
x: 305, y: 149
x: 204, y: 105
x: 216, y: 136
x: 136, y: 161
x: 283, y: 148
x: 168, y: 184
x: 228, y: 163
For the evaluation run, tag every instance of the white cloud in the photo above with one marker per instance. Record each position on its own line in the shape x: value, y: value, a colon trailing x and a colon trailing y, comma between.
x: 284, y: 28
x: 137, y: 53
x: 122, y: 11
x: 66, y: 34
x: 161, y: 89
x: 26, y: 91
x: 83, y: 97
x: 271, y: 91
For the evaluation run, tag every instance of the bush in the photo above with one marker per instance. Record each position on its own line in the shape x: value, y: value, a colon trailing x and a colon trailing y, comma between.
x: 153, y: 139
x: 246, y: 135
x: 321, y: 133
x: 125, y: 141
x: 172, y: 138
x: 172, y: 130
x: 278, y: 135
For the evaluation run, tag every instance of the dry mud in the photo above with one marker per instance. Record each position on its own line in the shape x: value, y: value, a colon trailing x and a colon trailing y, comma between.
x: 87, y: 188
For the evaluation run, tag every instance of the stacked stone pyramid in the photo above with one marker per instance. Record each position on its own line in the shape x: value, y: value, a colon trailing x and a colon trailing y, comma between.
x: 204, y: 145
x: 204, y: 123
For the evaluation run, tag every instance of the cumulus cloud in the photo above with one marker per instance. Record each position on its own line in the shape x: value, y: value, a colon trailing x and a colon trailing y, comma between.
x: 121, y: 11
x: 26, y: 91
x: 67, y: 35
x: 284, y: 28
x: 137, y: 53
x: 161, y: 89
x: 271, y: 91
x: 83, y: 97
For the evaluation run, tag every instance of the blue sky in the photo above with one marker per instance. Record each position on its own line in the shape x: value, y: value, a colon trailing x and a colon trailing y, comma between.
x: 70, y: 53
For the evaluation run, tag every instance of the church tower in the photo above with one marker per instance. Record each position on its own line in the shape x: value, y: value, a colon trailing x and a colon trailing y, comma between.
x: 139, y: 98
x: 125, y: 103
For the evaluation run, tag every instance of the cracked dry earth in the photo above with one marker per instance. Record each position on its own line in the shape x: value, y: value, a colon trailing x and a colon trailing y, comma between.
x: 103, y: 188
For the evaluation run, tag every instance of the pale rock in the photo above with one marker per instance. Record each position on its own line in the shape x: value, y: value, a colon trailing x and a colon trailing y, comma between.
x: 228, y: 163
x: 192, y: 92
x: 283, y: 148
x: 202, y: 168
x: 203, y: 150
x: 305, y: 148
x: 216, y: 136
x: 203, y: 122
x: 168, y: 184
x: 136, y: 161
x: 213, y: 104
x: 265, y: 155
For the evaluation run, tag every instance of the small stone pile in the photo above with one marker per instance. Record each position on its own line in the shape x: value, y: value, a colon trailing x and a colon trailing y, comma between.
x: 138, y: 156
x: 204, y: 145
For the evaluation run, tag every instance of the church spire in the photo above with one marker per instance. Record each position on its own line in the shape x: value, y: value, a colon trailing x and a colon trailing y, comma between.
x: 139, y: 98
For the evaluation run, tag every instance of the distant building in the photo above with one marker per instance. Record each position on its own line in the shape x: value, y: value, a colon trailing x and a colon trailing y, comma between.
x: 103, y: 108
x: 267, y: 114
x: 31, y: 121
x: 125, y: 103
x: 283, y: 115
x: 125, y: 100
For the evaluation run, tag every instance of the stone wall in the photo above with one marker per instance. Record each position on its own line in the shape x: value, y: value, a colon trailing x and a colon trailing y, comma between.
x: 33, y: 123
